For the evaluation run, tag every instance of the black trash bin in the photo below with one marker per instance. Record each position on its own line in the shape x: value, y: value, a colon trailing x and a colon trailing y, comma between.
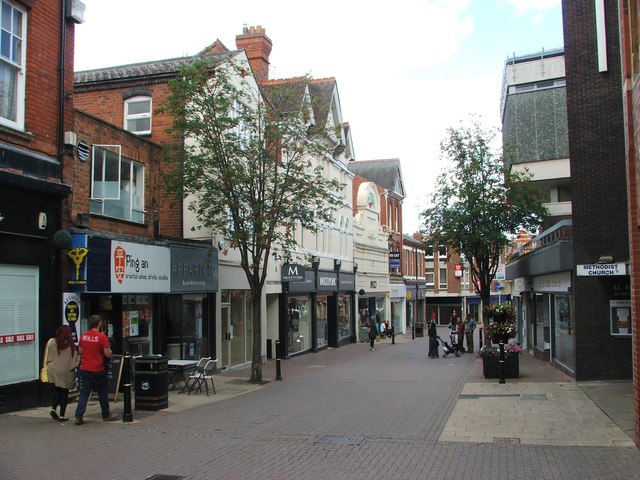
x: 419, y: 329
x: 152, y: 383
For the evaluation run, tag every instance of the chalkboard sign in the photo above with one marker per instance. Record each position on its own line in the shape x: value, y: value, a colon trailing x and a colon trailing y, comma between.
x: 114, y: 375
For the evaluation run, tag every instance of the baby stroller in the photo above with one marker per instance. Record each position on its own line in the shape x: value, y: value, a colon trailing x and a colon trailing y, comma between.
x: 453, y: 348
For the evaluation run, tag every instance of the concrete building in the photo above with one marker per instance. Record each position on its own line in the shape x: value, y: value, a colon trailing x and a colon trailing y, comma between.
x: 535, y: 139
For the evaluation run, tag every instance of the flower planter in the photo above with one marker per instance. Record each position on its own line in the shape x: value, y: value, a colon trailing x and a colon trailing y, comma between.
x: 491, y: 366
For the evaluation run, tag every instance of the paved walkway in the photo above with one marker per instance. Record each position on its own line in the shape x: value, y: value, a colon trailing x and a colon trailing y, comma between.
x: 346, y: 413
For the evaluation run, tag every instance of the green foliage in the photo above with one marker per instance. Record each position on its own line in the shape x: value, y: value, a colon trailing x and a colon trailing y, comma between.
x: 250, y: 169
x: 247, y: 167
x: 478, y: 203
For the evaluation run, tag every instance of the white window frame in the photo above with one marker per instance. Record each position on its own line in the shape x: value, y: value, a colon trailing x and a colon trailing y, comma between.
x: 138, y: 116
x: 442, y: 279
x: 19, y: 63
x: 107, y: 200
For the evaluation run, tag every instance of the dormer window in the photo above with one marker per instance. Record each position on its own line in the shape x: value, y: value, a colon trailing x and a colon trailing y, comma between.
x: 137, y: 115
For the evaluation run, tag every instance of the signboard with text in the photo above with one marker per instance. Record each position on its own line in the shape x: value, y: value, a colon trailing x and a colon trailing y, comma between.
x: 601, y: 269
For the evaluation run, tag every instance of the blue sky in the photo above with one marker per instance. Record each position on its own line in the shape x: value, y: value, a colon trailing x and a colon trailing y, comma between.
x: 406, y: 70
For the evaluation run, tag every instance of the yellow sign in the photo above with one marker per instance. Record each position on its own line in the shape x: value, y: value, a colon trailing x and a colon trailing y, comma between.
x: 408, y: 295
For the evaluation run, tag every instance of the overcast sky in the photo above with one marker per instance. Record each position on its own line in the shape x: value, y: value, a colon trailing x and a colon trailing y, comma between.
x: 406, y: 70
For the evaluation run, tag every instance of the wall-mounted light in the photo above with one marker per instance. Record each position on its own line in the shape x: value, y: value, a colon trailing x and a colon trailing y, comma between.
x: 355, y: 267
x: 337, y: 264
x: 315, y: 262
x: 605, y: 259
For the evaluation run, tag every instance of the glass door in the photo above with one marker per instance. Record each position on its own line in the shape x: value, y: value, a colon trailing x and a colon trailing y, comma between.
x: 226, y: 335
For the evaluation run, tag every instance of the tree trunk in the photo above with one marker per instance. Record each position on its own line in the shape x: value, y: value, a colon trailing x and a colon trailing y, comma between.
x: 256, y: 355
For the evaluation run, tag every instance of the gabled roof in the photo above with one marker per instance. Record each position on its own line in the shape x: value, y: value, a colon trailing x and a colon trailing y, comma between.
x: 156, y: 68
x: 386, y: 173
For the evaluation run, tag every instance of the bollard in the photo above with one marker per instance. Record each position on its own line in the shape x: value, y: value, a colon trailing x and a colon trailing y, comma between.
x: 393, y: 337
x: 278, y: 375
x: 501, y: 363
x: 413, y: 332
x: 480, y: 338
x: 127, y: 416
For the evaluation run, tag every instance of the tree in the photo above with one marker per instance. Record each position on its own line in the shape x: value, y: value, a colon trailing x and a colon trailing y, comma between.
x: 247, y: 167
x: 478, y: 203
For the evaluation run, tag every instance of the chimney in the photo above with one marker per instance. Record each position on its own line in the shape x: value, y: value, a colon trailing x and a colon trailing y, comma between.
x: 257, y: 45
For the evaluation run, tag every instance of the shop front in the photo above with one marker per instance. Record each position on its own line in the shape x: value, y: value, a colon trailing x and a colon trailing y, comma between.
x: 154, y: 297
x: 29, y: 287
x: 341, y: 323
x: 296, y: 321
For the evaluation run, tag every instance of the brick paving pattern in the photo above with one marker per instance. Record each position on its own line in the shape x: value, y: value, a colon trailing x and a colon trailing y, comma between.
x: 343, y: 413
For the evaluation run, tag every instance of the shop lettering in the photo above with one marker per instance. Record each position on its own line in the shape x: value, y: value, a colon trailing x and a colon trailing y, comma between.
x: 327, y: 281
x: 17, y: 338
x: 193, y: 269
x: 136, y: 263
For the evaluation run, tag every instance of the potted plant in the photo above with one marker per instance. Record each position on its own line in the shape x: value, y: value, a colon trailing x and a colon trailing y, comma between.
x: 491, y: 361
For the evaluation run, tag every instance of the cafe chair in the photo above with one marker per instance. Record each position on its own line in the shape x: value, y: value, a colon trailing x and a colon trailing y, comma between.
x: 195, y: 374
x: 202, y: 380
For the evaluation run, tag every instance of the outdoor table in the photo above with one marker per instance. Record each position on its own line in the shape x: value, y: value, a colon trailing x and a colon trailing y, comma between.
x: 178, y: 370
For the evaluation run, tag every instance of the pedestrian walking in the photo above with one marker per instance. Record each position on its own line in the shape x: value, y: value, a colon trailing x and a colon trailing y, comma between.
x: 94, y: 348
x: 62, y: 360
x: 460, y: 332
x: 469, y: 327
x: 373, y: 333
x: 432, y: 332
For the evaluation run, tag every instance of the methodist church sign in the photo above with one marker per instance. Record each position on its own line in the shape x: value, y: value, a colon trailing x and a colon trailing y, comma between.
x: 601, y: 269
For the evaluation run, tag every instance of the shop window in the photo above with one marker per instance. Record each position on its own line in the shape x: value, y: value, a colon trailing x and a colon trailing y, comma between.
x: 117, y: 186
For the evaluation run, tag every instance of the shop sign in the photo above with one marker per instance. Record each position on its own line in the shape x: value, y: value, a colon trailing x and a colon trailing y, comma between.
x: 71, y: 312
x: 394, y: 259
x: 500, y: 272
x: 139, y: 268
x: 293, y: 272
x: 560, y: 282
x: 601, y: 269
x: 347, y: 282
x: 17, y: 338
x: 327, y: 281
x: 194, y: 269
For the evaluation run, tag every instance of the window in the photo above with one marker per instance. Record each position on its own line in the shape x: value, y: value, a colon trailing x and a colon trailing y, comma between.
x: 12, y: 65
x: 117, y: 186
x: 442, y: 253
x: 442, y: 279
x: 428, y: 251
x: 240, y: 113
x: 137, y: 115
x: 429, y: 278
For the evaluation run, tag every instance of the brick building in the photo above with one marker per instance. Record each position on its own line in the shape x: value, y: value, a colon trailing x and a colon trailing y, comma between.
x: 629, y: 26
x: 596, y: 127
x: 35, y: 112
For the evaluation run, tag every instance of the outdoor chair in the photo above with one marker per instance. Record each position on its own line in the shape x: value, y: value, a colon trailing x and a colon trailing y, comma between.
x: 200, y: 380
x: 193, y: 375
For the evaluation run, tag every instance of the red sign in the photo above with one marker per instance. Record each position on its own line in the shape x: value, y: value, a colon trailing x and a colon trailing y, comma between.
x: 119, y: 256
x: 458, y: 269
x: 17, y: 338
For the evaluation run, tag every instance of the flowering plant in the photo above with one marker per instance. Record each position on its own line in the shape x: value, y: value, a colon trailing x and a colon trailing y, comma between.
x: 488, y: 351
x: 501, y: 327
x: 502, y: 311
x: 514, y: 348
